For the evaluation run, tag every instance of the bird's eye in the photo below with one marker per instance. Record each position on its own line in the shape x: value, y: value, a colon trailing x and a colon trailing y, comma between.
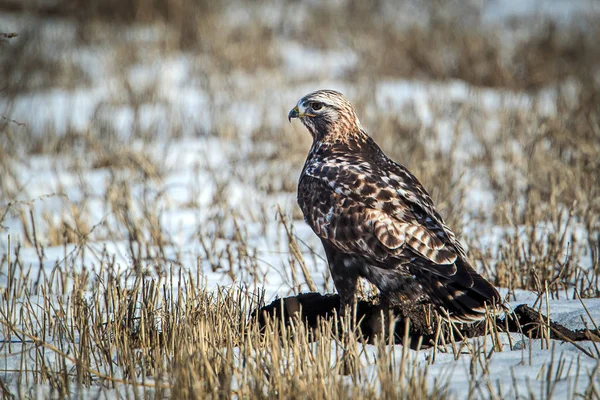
x: 316, y: 106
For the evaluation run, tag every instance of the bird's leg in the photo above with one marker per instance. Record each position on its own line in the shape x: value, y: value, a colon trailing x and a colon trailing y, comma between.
x: 346, y: 282
x: 344, y: 272
x: 346, y: 288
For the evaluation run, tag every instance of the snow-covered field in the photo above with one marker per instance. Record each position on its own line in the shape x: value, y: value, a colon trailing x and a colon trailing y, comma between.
x: 133, y: 166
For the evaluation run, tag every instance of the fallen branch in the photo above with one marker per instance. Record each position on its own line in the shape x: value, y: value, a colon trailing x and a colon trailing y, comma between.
x: 313, y: 306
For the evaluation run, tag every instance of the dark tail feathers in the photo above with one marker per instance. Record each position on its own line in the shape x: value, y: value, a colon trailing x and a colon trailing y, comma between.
x: 463, y: 294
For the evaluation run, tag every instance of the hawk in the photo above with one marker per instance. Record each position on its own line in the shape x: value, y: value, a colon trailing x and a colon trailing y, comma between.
x: 375, y: 219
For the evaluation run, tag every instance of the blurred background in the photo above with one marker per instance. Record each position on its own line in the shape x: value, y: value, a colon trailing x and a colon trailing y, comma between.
x: 157, y: 128
x: 191, y: 68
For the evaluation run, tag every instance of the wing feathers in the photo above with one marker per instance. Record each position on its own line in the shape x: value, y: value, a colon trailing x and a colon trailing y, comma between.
x: 393, y: 234
x: 388, y: 234
x: 399, y: 219
x: 426, y: 243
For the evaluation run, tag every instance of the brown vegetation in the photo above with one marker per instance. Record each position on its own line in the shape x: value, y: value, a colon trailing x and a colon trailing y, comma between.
x: 83, y: 323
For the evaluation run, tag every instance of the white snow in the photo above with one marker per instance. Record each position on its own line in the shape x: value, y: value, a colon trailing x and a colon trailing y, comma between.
x: 198, y: 166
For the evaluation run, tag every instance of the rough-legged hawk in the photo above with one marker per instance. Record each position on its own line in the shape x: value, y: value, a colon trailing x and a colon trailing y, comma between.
x: 375, y: 219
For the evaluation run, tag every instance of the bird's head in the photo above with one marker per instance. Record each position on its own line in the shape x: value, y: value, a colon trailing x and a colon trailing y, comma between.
x: 326, y: 113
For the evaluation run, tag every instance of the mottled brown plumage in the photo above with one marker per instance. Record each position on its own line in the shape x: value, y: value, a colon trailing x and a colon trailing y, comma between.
x: 375, y: 219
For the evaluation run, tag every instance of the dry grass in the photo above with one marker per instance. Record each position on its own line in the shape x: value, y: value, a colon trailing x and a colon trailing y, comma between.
x: 117, y: 331
x: 166, y: 335
x: 85, y: 322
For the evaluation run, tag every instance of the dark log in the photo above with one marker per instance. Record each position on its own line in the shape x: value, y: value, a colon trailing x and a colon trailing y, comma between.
x: 310, y: 307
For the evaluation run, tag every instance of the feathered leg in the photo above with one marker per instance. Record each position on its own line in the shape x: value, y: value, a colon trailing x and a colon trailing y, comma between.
x: 344, y: 273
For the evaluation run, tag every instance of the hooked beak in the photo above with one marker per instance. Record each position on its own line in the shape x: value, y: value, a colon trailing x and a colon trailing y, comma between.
x: 294, y: 113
